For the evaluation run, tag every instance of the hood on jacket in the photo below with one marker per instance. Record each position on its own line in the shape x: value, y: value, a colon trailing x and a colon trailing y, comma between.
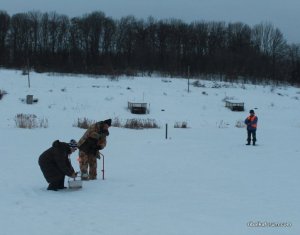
x: 62, y: 146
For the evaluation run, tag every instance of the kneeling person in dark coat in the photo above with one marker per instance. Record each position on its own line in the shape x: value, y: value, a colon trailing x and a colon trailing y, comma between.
x: 55, y: 164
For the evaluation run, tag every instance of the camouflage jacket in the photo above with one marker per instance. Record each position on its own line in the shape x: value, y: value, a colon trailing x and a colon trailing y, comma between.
x: 94, y: 138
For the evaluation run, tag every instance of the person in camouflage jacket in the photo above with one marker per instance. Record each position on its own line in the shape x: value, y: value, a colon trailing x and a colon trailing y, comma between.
x: 93, y: 140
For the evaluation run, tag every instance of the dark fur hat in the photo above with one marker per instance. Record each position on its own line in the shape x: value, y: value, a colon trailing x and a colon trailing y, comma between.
x: 108, y: 122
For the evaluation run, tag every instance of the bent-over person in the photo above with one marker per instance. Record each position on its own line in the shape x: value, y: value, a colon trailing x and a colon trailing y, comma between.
x: 93, y: 140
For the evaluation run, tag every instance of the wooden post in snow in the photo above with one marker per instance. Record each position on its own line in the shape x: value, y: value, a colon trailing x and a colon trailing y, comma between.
x: 166, y: 131
x: 188, y: 79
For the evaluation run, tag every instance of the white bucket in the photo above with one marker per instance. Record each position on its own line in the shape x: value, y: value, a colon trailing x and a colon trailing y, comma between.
x: 74, y: 183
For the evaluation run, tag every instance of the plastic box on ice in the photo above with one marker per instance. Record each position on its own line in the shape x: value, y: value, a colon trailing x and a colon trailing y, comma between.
x: 75, y: 183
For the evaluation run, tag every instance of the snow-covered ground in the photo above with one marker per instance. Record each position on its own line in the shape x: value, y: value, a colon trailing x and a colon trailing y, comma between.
x: 201, y: 180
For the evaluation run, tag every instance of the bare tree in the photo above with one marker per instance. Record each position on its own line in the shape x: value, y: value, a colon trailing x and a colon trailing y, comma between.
x: 4, y: 27
x: 293, y: 63
x: 94, y: 43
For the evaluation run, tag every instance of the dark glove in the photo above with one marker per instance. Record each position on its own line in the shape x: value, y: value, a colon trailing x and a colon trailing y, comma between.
x: 98, y: 155
x: 74, y: 175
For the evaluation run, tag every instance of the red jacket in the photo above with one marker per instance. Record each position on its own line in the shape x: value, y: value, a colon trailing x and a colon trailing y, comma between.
x: 251, y: 122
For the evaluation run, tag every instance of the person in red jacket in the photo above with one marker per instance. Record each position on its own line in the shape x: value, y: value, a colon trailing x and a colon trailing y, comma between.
x: 251, y: 122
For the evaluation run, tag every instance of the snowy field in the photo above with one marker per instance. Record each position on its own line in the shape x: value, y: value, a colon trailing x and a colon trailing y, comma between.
x: 200, y: 180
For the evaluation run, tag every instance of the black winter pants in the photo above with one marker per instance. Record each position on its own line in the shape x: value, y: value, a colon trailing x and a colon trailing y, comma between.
x: 253, y: 134
x: 54, y: 177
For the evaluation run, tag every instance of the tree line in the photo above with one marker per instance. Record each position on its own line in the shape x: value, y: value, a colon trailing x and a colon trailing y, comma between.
x: 97, y: 44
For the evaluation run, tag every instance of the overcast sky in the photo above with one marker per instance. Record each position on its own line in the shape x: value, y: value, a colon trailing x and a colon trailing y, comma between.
x: 283, y: 14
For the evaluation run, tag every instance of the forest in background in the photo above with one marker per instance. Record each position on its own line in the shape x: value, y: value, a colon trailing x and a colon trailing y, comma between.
x: 96, y: 44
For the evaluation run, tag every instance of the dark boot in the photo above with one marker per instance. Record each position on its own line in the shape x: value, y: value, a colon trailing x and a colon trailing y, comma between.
x: 84, y: 176
x: 253, y: 142
x: 248, y: 143
x: 52, y: 187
